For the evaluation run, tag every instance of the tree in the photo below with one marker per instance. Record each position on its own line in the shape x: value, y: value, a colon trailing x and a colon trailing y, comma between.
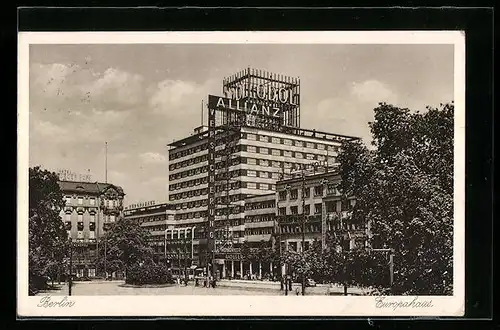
x: 48, y: 240
x: 404, y: 190
x: 125, y: 244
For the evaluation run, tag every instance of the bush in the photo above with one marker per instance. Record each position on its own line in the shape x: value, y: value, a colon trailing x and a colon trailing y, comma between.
x: 148, y: 273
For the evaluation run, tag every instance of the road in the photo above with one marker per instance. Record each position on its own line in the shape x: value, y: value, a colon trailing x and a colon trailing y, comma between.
x: 226, y: 288
x: 116, y: 288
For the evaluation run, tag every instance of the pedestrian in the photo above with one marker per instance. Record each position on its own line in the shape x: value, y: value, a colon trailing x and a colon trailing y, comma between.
x: 297, y: 291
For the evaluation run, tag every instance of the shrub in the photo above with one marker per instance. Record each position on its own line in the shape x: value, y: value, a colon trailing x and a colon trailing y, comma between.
x: 148, y: 273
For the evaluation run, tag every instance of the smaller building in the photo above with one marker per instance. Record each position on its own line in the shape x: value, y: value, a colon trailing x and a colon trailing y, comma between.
x: 91, y: 208
x: 310, y: 207
x: 155, y: 218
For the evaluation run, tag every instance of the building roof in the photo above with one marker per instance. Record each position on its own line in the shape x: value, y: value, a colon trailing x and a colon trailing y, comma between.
x: 261, y: 198
x: 309, y: 177
x: 293, y: 131
x: 88, y: 187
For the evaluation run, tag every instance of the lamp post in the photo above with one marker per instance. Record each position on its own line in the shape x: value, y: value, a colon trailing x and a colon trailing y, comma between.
x: 303, y: 230
x: 70, y: 280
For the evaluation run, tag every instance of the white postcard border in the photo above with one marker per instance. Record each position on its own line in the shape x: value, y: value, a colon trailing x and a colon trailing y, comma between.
x: 243, y: 305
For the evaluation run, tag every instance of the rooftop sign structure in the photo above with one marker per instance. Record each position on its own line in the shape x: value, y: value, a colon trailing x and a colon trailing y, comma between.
x: 258, y: 98
x: 67, y: 175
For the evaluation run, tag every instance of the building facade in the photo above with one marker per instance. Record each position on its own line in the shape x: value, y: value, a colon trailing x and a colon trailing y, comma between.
x: 91, y: 208
x: 250, y: 156
x: 309, y: 207
x: 155, y: 218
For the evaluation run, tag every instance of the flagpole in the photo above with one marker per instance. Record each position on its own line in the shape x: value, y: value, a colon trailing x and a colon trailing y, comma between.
x: 106, y: 163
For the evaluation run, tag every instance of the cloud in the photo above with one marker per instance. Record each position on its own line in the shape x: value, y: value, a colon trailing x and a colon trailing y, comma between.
x: 373, y: 91
x: 48, y: 129
x: 59, y: 85
x: 152, y: 158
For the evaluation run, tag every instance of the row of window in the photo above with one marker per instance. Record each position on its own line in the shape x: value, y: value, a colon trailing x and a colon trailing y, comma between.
x: 152, y: 218
x: 235, y: 209
x: 80, y: 225
x: 258, y: 231
x: 289, y: 142
x: 92, y: 217
x: 92, y: 201
x: 255, y: 137
x: 294, y: 210
x: 259, y: 218
x: 222, y: 200
x: 233, y: 198
x: 253, y: 161
x: 174, y: 154
x: 260, y: 205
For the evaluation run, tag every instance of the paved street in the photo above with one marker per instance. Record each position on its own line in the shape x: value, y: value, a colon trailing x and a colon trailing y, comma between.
x: 116, y: 288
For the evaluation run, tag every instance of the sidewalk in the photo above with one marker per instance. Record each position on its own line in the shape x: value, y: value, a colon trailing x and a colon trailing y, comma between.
x: 320, y: 289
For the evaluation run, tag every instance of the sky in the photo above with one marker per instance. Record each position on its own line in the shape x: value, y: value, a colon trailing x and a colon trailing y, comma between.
x: 139, y: 98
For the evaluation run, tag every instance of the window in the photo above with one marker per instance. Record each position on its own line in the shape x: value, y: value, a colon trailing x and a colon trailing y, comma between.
x: 276, y: 164
x: 264, y: 151
x: 306, y: 193
x: 282, y: 211
x: 332, y: 160
x: 318, y: 190
x: 252, y: 161
x: 320, y: 146
x: 251, y: 149
x: 273, y: 187
x: 251, y: 185
x: 92, y: 201
x: 252, y: 137
x: 263, y: 138
x: 287, y: 142
x: 275, y: 175
x: 294, y: 209
x: 310, y: 156
x: 80, y: 200
x: 307, y: 209
x: 287, y: 165
x: 263, y: 174
x: 287, y: 153
x: 251, y: 173
x: 264, y: 162
x: 310, y: 145
x: 112, y: 218
x: 294, y: 194
x: 299, y: 155
x: 321, y: 158
x: 276, y: 140
x: 318, y: 208
x: 282, y: 195
x: 276, y: 152
x: 264, y: 186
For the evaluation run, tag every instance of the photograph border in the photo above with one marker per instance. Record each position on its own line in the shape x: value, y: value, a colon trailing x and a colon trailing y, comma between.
x: 245, y: 305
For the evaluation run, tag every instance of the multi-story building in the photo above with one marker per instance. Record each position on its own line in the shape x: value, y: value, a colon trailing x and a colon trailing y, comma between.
x: 249, y: 160
x: 310, y: 207
x: 155, y: 218
x: 91, y: 207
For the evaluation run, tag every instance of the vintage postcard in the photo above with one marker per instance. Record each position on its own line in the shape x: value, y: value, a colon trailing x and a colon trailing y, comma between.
x: 241, y: 174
